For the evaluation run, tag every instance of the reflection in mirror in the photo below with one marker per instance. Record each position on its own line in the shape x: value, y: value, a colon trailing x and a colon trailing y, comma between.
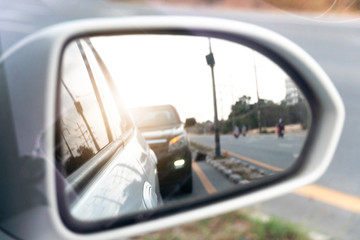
x: 151, y: 120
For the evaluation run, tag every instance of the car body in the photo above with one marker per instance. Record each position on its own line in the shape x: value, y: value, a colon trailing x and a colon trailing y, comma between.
x: 96, y: 130
x: 165, y: 133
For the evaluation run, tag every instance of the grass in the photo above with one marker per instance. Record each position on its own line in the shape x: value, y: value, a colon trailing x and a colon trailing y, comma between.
x: 276, y: 229
x: 234, y: 225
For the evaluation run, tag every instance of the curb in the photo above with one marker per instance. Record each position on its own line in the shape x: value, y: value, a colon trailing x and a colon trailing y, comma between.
x: 237, y: 170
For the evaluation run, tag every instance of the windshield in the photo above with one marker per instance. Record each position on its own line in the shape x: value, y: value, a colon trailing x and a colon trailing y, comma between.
x: 153, y: 117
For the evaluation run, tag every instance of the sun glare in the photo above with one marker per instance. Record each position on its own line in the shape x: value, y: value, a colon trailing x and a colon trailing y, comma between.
x: 165, y: 69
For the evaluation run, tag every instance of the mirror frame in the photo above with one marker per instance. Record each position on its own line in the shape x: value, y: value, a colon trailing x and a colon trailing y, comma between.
x: 326, y: 108
x: 190, y: 204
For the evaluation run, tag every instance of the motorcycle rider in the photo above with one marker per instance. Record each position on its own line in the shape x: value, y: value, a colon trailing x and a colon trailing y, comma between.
x: 280, y: 128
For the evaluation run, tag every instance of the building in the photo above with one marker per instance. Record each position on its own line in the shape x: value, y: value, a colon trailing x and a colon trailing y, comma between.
x: 293, y: 94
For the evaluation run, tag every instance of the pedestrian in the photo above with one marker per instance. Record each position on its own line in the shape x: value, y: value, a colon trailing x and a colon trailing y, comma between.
x: 243, y: 130
x: 236, y: 131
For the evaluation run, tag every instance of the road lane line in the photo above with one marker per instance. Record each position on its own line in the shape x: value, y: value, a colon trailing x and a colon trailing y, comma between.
x: 204, y: 180
x: 318, y: 193
x: 331, y: 197
x: 253, y: 161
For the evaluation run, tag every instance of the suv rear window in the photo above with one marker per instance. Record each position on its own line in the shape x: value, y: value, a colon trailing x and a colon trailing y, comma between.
x: 147, y: 117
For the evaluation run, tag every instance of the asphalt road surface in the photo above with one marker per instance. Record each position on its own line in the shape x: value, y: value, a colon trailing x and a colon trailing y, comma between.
x: 269, y: 149
x: 206, y: 180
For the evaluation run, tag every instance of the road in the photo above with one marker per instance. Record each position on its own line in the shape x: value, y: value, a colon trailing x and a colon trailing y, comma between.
x: 269, y: 149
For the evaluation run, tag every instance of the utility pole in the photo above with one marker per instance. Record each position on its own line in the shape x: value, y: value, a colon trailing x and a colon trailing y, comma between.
x: 211, y: 62
x: 233, y: 106
x: 66, y: 143
x: 79, y: 109
x: 258, y: 98
x: 221, y: 102
x: 83, y: 135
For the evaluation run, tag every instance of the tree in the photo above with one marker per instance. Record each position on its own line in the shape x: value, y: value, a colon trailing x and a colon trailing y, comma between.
x: 244, y: 113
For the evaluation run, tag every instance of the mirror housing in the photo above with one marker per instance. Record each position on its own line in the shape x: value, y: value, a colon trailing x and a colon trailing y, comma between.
x: 48, y: 46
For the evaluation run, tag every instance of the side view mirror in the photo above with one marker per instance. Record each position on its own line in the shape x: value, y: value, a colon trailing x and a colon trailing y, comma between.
x: 118, y: 162
x: 189, y: 122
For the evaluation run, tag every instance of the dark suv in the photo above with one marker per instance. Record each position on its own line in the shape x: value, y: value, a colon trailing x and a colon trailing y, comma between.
x: 165, y: 133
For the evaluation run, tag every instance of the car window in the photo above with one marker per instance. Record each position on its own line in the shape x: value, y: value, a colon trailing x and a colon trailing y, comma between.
x: 110, y: 106
x: 152, y: 117
x: 83, y: 128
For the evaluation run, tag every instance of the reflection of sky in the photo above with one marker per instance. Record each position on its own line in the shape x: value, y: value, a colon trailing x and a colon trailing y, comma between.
x: 76, y: 78
x: 153, y: 70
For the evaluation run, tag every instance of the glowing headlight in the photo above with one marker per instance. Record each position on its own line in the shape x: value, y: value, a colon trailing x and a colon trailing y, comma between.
x: 179, y: 163
x: 177, y: 142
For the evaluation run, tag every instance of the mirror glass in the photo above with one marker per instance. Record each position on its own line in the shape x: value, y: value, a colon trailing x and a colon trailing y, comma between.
x: 147, y: 121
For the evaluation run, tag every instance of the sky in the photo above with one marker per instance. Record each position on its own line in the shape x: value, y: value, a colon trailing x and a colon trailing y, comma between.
x: 172, y: 69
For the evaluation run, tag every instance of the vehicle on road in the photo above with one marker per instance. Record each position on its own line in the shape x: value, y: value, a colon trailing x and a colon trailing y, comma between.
x: 166, y: 135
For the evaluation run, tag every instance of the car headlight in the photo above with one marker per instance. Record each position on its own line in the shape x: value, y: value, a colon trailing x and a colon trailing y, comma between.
x: 180, y: 163
x: 177, y: 142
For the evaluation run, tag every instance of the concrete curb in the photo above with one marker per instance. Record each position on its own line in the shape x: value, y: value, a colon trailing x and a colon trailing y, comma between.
x: 250, y: 172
